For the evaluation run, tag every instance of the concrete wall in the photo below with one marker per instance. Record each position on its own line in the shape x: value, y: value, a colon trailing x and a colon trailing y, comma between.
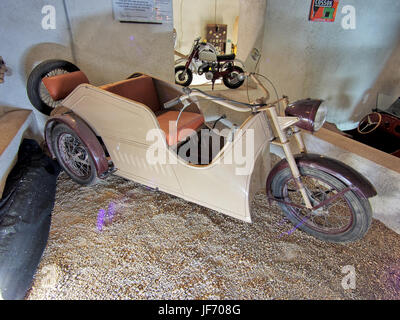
x: 251, y: 29
x: 346, y: 67
x: 105, y: 49
x: 322, y: 60
x: 192, y: 16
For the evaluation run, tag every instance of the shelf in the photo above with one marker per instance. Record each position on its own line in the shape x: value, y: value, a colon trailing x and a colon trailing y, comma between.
x: 382, y: 158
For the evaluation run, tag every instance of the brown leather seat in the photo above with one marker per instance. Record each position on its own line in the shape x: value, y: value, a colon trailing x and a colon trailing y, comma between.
x: 61, y: 85
x: 188, y: 122
x: 142, y: 89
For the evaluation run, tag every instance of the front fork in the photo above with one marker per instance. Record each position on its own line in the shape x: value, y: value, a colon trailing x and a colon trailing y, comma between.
x: 284, y: 143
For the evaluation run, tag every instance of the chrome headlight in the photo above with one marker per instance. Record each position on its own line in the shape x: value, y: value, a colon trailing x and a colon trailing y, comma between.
x: 312, y: 113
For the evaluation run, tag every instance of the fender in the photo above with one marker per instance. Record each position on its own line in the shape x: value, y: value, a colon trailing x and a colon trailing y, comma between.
x: 85, y: 134
x: 345, y: 173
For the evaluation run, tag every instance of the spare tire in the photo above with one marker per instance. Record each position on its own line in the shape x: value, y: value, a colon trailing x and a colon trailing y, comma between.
x: 37, y: 92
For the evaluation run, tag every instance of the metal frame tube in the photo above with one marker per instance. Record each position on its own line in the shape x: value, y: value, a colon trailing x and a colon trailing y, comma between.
x: 289, y: 156
x: 299, y: 139
x: 267, y: 95
x: 284, y: 142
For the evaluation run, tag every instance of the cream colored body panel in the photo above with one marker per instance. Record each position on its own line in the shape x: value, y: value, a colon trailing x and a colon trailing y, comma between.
x: 123, y: 125
x: 218, y: 186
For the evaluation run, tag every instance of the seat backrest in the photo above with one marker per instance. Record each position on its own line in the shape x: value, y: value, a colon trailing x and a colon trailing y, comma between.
x: 140, y: 89
x: 61, y: 85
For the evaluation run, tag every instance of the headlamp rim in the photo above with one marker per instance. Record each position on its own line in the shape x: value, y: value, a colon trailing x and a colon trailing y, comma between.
x: 305, y: 110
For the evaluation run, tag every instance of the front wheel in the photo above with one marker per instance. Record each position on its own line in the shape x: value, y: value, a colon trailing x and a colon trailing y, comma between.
x: 73, y: 156
x: 231, y: 80
x: 183, y: 76
x: 345, y: 219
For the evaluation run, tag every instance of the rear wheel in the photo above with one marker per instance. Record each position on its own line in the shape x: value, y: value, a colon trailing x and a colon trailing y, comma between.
x: 231, y: 80
x: 345, y: 219
x: 183, y: 76
x: 73, y: 155
x: 36, y: 90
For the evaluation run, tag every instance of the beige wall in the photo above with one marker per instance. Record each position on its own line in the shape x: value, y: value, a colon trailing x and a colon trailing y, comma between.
x: 192, y: 16
x: 251, y: 27
x: 108, y: 50
x: 104, y: 49
x: 304, y: 59
x: 322, y: 60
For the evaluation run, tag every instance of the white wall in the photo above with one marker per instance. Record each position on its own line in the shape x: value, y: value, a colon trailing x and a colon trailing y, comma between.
x: 192, y: 16
x: 251, y: 27
x: 322, y: 60
x: 103, y: 46
x: 305, y: 59
x: 23, y: 43
x: 108, y: 50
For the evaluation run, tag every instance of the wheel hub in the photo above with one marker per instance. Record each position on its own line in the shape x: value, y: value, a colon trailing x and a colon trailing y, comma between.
x: 74, y: 155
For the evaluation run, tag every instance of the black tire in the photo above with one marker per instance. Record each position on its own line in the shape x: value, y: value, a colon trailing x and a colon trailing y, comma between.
x: 62, y: 134
x: 35, y: 89
x: 187, y: 80
x: 358, y: 208
x: 231, y: 81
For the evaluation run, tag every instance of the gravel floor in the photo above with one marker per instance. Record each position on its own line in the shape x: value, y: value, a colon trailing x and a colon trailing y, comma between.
x: 161, y: 247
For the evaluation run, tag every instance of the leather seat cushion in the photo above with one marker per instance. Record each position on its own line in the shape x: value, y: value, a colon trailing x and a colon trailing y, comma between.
x: 188, y: 120
x: 226, y: 57
x: 61, y: 85
x: 140, y: 89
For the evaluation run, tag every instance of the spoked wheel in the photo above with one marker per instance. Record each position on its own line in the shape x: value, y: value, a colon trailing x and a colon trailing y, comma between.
x: 369, y: 123
x: 347, y: 218
x: 183, y: 77
x: 231, y: 80
x: 37, y: 92
x: 73, y: 155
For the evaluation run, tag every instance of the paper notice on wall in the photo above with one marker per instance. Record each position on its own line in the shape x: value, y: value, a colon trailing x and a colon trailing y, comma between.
x: 153, y: 11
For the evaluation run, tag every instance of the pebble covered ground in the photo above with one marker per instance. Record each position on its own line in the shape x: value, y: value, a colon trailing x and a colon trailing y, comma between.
x: 161, y: 247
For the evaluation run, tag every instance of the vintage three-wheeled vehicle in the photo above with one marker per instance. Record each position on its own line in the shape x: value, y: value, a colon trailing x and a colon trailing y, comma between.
x: 206, y: 149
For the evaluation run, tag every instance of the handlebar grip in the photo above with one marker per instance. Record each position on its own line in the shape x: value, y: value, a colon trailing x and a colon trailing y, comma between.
x: 171, y: 103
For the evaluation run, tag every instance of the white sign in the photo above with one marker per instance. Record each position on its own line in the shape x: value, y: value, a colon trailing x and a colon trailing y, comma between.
x: 153, y: 11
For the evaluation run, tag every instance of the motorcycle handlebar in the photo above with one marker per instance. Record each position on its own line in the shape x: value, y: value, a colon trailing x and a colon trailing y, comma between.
x: 221, y: 101
x: 171, y: 103
x: 177, y: 100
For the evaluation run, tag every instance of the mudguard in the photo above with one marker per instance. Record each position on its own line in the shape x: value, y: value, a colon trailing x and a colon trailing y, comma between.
x: 85, y: 134
x: 342, y: 171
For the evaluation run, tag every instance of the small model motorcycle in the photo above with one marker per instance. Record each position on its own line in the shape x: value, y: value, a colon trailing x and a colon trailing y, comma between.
x: 142, y: 129
x: 203, y: 59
